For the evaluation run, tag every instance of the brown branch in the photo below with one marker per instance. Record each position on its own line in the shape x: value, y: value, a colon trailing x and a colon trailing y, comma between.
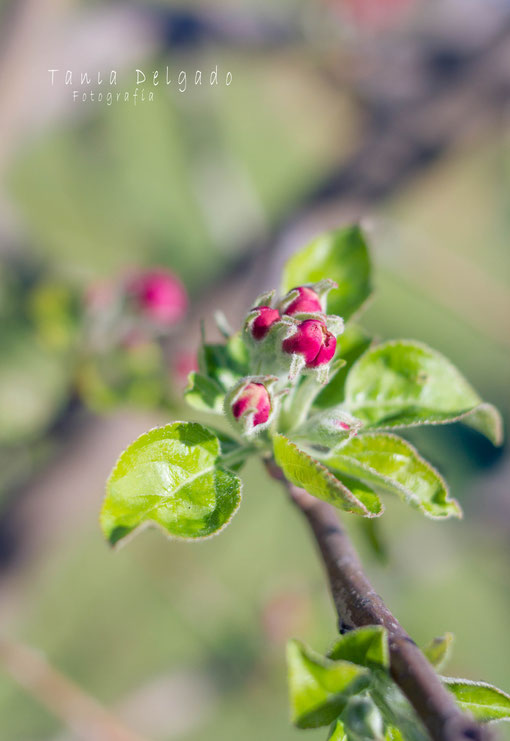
x: 358, y: 604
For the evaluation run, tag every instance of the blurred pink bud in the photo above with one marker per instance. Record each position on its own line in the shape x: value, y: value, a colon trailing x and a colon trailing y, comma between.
x: 265, y: 318
x: 253, y: 398
x: 160, y: 295
x: 313, y: 341
x: 307, y: 301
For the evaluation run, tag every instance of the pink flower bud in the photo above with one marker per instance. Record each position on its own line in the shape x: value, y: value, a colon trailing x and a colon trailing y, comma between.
x: 307, y: 301
x: 253, y: 398
x: 313, y: 341
x: 160, y: 295
x: 265, y: 318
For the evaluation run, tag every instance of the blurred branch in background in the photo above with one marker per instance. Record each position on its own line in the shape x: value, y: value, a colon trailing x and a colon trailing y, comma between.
x: 84, y: 716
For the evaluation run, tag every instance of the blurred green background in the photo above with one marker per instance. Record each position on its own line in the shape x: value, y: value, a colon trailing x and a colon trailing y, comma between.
x: 187, y: 641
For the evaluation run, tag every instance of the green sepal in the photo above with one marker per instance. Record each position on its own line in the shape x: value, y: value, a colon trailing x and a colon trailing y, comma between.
x: 306, y: 472
x: 318, y: 687
x: 362, y: 719
x: 171, y: 478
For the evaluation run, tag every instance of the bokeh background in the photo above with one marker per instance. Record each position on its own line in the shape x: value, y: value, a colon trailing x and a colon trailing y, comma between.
x: 392, y: 112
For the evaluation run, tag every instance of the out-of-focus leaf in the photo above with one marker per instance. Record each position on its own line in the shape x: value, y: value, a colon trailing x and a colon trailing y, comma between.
x: 319, y: 688
x: 392, y: 733
x: 370, y: 531
x: 350, y: 346
x: 367, y: 646
x: 482, y: 700
x: 389, y: 463
x: 204, y: 394
x: 337, y: 731
x: 404, y: 383
x: 341, y: 255
x: 439, y: 650
x: 306, y: 472
x: 171, y: 477
x: 362, y: 719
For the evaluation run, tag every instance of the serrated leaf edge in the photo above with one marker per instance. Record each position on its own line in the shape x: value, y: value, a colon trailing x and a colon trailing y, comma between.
x: 323, y: 471
x: 409, y: 496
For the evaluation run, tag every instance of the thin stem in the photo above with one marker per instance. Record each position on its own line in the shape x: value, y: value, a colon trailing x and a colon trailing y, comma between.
x: 358, y: 604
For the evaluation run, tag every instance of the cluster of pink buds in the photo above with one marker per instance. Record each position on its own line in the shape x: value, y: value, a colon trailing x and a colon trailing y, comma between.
x: 297, y: 327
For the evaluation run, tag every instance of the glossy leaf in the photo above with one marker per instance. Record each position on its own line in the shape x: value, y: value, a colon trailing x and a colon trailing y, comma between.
x: 319, y: 688
x: 367, y: 646
x: 404, y: 383
x: 482, y: 700
x: 438, y: 651
x: 389, y: 463
x: 171, y: 477
x: 204, y: 393
x: 350, y: 346
x: 340, y: 255
x: 306, y: 472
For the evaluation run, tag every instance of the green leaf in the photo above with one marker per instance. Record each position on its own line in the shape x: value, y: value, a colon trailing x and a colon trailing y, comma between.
x: 367, y: 646
x: 318, y: 687
x: 306, y: 472
x: 362, y: 719
x: 337, y: 731
x: 171, y: 477
x: 204, y: 393
x: 391, y: 464
x: 350, y: 346
x: 482, y: 700
x: 393, y: 734
x: 225, y: 364
x: 233, y: 454
x: 341, y: 255
x: 438, y: 651
x: 404, y: 383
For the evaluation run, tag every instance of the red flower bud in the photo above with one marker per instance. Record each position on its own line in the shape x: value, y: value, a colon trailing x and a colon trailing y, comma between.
x: 253, y: 398
x: 307, y: 301
x: 160, y: 295
x: 313, y: 341
x: 265, y: 318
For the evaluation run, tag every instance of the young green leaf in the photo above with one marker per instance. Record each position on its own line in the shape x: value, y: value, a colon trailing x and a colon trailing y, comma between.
x: 389, y: 463
x: 404, y: 383
x: 367, y: 646
x: 225, y: 364
x: 171, y: 477
x: 350, y: 346
x: 204, y: 394
x: 340, y: 255
x: 438, y: 651
x: 337, y: 731
x: 304, y: 471
x: 319, y: 688
x: 362, y: 719
x: 482, y: 700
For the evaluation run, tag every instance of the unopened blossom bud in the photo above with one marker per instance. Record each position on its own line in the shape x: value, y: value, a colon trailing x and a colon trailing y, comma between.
x: 313, y: 341
x: 264, y: 319
x: 253, y: 399
x: 306, y: 302
x: 160, y: 295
